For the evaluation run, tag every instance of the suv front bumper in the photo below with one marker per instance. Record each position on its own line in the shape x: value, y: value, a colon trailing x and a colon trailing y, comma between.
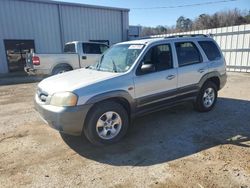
x: 69, y: 120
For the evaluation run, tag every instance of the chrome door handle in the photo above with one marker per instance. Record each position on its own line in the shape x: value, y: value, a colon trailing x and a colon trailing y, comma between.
x: 201, y: 70
x: 170, y: 77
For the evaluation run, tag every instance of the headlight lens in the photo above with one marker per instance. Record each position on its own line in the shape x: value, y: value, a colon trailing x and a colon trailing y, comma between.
x: 64, y: 99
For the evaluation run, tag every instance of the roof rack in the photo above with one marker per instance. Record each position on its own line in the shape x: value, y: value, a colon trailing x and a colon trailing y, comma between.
x: 192, y: 35
x: 148, y: 37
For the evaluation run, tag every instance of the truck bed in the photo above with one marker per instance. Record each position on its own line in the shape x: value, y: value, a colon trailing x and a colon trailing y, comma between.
x: 51, y: 60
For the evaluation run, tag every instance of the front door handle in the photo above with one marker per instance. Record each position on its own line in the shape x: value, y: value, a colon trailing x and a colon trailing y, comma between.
x: 84, y: 57
x: 201, y: 70
x: 170, y: 77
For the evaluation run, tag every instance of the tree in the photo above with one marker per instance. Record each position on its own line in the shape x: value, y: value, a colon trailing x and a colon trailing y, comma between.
x: 183, y: 24
x: 203, y: 21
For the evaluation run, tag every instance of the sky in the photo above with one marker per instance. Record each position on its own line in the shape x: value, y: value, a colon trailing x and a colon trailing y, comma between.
x: 166, y: 16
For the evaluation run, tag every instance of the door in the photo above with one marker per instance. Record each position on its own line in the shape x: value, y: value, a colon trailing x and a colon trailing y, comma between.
x: 16, y: 51
x: 159, y: 84
x: 191, y: 65
x: 91, y: 53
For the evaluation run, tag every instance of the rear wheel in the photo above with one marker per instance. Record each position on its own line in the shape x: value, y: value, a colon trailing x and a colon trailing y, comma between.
x: 106, y: 123
x: 207, y: 97
x: 61, y: 69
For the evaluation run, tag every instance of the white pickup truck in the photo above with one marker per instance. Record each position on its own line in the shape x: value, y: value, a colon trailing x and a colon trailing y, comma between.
x: 76, y: 55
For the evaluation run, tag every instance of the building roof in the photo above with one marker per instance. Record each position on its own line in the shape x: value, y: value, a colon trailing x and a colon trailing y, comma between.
x: 75, y: 4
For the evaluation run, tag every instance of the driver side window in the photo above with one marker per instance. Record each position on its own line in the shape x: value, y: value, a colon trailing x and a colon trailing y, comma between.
x: 159, y: 56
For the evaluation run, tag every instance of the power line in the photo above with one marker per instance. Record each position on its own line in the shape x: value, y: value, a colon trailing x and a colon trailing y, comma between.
x: 187, y: 5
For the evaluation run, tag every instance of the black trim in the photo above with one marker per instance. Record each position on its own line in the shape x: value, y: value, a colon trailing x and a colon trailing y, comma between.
x: 122, y: 94
x: 223, y: 80
x: 161, y: 105
x: 158, y: 97
x: 159, y: 101
x: 142, y: 101
x: 209, y: 75
x: 163, y: 98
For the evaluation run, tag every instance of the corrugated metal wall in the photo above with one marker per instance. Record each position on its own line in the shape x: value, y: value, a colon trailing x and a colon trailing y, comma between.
x: 27, y: 20
x: 234, y: 42
x: 51, y: 24
x: 81, y: 23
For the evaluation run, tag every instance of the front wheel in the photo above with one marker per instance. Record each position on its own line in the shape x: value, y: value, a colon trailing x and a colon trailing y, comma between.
x: 106, y: 123
x: 207, y: 97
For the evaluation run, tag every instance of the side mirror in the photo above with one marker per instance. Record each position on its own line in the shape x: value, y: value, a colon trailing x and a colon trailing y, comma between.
x: 147, y: 68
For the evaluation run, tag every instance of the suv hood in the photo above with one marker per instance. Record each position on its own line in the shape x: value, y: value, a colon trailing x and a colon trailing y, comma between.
x: 72, y: 80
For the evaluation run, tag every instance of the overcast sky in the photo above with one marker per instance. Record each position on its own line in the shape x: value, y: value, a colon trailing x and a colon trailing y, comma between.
x: 167, y: 16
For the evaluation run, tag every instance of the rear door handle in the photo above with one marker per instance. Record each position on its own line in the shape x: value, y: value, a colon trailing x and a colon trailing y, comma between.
x: 201, y: 70
x: 84, y: 57
x: 170, y: 77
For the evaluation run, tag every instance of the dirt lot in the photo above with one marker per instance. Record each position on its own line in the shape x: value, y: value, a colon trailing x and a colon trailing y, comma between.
x: 173, y: 148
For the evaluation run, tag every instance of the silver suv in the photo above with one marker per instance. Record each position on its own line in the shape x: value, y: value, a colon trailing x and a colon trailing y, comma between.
x: 131, y: 79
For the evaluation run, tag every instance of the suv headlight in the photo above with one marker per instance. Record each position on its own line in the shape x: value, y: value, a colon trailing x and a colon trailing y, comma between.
x: 64, y: 99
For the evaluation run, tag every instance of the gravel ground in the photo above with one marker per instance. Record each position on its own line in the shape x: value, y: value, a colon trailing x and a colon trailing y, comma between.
x: 177, y: 147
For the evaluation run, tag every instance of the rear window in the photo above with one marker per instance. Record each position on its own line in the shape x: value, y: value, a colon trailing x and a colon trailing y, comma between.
x: 92, y: 48
x: 211, y: 50
x: 69, y: 48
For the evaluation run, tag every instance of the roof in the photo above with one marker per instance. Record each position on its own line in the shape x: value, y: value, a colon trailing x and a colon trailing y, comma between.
x: 173, y: 37
x: 142, y: 41
x: 75, y: 4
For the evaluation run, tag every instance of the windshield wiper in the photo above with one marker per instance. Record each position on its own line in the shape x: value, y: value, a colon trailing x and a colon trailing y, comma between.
x: 114, y: 66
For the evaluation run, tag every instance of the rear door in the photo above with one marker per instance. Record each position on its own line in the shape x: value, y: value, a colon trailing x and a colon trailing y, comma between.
x: 192, y: 66
x: 91, y: 53
x: 215, y: 58
x: 160, y: 84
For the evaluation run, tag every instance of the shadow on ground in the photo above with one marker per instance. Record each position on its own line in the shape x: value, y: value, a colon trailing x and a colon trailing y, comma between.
x: 171, y: 134
x: 18, y: 78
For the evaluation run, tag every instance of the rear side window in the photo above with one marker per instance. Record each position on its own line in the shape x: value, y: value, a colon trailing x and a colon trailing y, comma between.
x: 211, y: 50
x: 187, y: 53
x: 69, y: 48
x: 91, y: 48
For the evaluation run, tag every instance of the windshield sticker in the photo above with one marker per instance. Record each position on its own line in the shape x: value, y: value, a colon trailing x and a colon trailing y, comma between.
x: 135, y: 47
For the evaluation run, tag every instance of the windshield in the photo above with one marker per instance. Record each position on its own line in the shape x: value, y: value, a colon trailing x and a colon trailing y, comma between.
x: 119, y: 58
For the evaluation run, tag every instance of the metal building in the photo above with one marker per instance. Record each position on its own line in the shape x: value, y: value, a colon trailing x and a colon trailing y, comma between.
x: 134, y: 32
x: 45, y: 26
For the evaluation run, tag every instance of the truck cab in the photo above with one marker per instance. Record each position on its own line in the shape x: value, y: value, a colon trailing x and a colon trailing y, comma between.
x: 88, y: 52
x: 76, y: 55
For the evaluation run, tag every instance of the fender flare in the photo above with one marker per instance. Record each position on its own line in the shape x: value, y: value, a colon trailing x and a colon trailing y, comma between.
x: 207, y: 76
x: 62, y: 64
x: 120, y: 94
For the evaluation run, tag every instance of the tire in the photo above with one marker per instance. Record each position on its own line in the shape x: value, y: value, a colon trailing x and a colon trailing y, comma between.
x: 103, y: 119
x: 61, y: 69
x: 205, y: 102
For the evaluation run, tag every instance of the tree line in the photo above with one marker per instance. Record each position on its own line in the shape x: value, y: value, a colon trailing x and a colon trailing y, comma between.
x: 203, y: 21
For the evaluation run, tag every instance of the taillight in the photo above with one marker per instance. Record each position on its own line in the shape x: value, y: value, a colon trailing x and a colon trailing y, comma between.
x: 35, y: 60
